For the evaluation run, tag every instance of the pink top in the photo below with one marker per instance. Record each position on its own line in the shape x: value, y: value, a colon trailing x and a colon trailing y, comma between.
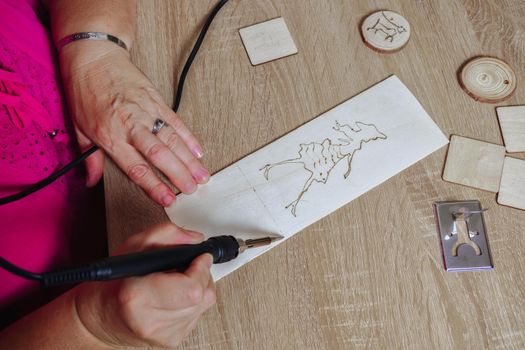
x: 35, y: 232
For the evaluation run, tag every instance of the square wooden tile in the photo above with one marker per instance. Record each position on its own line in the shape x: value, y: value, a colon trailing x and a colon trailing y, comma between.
x: 267, y: 41
x: 512, y: 188
x: 474, y: 163
x: 512, y: 123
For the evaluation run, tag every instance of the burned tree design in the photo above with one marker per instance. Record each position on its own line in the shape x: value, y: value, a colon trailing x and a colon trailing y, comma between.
x: 387, y: 27
x: 320, y: 158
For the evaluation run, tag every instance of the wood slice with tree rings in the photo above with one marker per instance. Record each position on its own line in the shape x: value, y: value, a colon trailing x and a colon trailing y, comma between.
x: 488, y: 79
x: 385, y: 31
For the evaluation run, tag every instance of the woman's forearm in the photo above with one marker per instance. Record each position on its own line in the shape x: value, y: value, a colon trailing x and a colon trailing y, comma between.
x: 53, y: 326
x: 116, y: 17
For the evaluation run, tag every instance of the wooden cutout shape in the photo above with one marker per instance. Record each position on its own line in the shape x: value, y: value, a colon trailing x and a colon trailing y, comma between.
x: 512, y: 188
x: 385, y: 31
x: 474, y: 163
x: 267, y: 41
x: 488, y: 79
x: 240, y: 200
x: 512, y: 123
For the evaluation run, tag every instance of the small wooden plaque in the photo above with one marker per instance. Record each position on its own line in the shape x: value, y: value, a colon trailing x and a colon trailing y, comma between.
x: 267, y: 41
x: 512, y: 123
x: 385, y: 31
x: 474, y: 163
x: 512, y: 188
x: 488, y: 79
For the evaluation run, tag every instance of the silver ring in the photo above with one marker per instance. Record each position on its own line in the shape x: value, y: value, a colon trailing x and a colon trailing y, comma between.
x: 157, y: 125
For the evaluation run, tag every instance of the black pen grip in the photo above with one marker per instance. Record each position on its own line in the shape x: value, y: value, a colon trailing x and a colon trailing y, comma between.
x: 178, y: 258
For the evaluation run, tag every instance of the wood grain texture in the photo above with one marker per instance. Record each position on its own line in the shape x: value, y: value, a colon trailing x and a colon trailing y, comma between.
x: 488, y: 79
x: 267, y: 41
x: 474, y: 163
x: 369, y: 275
x: 512, y: 124
x: 512, y: 189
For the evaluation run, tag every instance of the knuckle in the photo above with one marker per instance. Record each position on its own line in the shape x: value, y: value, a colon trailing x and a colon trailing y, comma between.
x: 176, y: 123
x: 128, y: 299
x: 145, y: 331
x: 102, y: 135
x: 132, y: 306
x: 172, y: 140
x: 194, y: 294
x: 156, y: 152
x: 138, y: 172
x: 210, y: 297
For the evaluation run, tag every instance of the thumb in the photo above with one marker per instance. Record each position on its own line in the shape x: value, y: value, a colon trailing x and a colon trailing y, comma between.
x: 94, y: 163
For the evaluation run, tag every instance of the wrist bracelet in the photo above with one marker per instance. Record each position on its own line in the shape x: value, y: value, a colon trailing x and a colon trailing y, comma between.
x: 90, y: 36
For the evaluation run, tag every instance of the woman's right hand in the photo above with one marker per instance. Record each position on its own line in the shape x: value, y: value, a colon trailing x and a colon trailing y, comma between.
x: 159, y: 309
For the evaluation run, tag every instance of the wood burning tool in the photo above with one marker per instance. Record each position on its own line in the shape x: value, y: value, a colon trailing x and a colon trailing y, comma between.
x: 177, y: 258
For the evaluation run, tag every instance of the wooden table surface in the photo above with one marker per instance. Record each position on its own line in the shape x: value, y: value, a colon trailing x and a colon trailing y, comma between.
x: 369, y: 275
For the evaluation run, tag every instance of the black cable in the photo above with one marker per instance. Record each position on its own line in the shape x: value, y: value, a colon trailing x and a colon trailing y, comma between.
x: 180, y: 86
x: 48, y: 180
x: 194, y: 51
x: 6, y: 265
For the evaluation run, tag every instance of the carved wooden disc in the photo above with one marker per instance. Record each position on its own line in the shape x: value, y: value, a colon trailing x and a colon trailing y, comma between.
x: 385, y: 31
x: 488, y: 79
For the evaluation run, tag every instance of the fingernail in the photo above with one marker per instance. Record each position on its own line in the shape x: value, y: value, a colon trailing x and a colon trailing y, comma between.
x: 190, y: 187
x: 167, y: 200
x: 197, y: 151
x: 202, y: 175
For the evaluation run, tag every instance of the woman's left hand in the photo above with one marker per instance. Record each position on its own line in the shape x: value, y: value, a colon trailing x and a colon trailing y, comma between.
x: 114, y: 105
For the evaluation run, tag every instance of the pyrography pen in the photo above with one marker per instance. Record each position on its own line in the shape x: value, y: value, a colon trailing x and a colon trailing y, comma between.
x: 177, y: 258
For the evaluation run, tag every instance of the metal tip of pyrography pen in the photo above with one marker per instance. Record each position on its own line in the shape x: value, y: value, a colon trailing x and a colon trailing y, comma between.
x: 276, y: 238
x: 258, y: 242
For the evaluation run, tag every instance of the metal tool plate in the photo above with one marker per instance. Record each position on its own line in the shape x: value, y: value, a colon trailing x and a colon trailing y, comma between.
x: 466, y: 259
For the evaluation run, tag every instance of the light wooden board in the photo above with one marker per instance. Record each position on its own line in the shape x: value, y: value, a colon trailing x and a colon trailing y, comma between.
x: 512, y: 123
x: 370, y: 275
x: 268, y: 41
x: 474, y: 163
x: 312, y: 171
x: 512, y: 189
x: 385, y: 31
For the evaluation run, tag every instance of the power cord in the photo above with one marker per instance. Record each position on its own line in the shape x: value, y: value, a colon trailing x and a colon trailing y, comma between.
x: 180, y: 86
x: 6, y: 265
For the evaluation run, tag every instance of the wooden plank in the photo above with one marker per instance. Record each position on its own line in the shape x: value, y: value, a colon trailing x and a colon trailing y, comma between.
x: 512, y: 123
x: 268, y: 41
x: 474, y: 163
x: 512, y: 189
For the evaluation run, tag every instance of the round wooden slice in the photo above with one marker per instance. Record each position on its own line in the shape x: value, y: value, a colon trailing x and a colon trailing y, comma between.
x: 385, y: 31
x: 488, y: 79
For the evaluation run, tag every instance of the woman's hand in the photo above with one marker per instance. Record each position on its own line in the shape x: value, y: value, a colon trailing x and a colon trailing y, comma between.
x: 159, y: 309
x: 114, y: 106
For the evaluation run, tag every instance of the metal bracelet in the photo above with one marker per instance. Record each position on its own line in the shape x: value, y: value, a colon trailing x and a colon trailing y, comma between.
x: 90, y: 36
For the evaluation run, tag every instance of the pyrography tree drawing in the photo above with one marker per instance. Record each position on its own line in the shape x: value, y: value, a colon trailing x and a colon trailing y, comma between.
x: 388, y: 27
x: 319, y: 159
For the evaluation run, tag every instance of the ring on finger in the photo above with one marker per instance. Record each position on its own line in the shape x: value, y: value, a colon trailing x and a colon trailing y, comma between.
x: 158, y: 124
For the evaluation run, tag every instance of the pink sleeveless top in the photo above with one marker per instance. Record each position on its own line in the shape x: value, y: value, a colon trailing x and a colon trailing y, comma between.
x: 36, y: 233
